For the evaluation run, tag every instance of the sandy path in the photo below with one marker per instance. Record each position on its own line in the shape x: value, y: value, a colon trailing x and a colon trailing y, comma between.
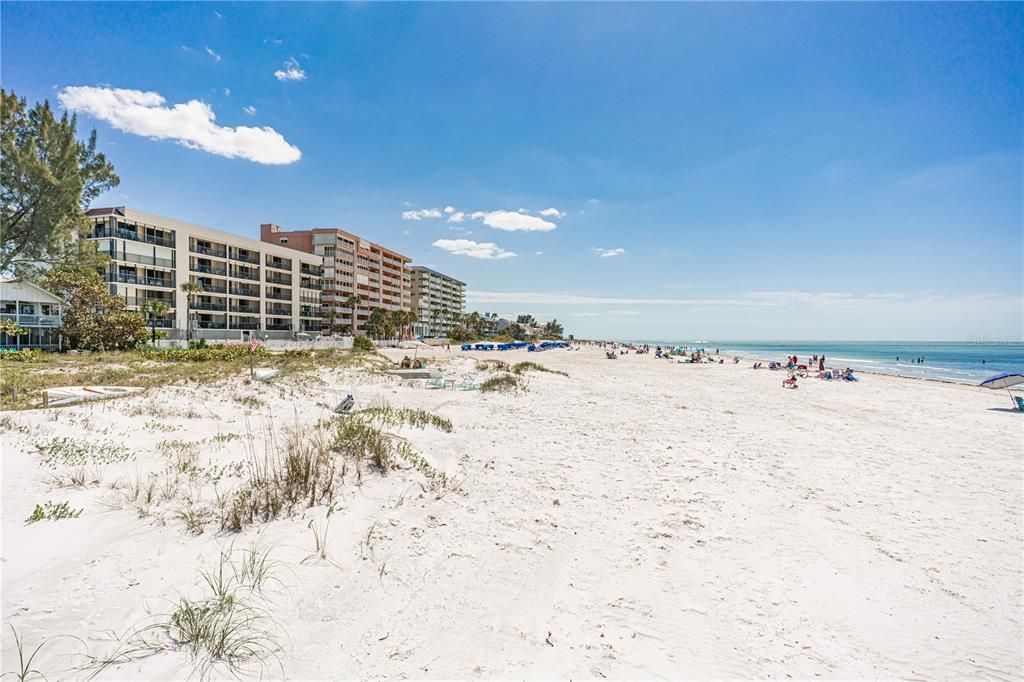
x: 708, y: 524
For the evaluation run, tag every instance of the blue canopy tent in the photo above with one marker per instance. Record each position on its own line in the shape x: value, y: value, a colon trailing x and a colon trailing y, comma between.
x: 1005, y: 380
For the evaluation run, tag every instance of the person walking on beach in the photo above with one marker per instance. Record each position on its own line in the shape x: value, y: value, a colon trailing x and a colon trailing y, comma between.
x: 821, y: 363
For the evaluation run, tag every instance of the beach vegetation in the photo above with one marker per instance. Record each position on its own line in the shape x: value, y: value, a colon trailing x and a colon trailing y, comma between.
x: 522, y: 367
x: 49, y: 178
x: 418, y: 418
x: 92, y: 318
x: 492, y: 365
x: 53, y: 511
x: 503, y: 383
x: 362, y: 343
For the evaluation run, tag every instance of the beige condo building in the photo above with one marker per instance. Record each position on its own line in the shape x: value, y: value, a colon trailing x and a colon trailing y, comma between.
x: 248, y: 286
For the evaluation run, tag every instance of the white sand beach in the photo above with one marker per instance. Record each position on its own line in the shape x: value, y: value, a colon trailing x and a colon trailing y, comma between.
x: 636, y: 519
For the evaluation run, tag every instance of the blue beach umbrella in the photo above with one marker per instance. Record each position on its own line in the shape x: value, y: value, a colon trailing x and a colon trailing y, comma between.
x: 1004, y: 380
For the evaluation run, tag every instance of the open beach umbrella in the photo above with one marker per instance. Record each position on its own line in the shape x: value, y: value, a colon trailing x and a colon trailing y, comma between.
x: 1004, y: 380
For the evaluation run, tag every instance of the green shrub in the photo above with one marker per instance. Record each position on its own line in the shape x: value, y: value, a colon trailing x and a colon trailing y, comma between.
x: 204, y: 353
x: 23, y: 355
x: 363, y: 343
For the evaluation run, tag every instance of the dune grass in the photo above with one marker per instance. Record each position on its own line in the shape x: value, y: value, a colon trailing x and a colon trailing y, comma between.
x: 522, y: 367
x: 503, y: 383
x: 22, y: 381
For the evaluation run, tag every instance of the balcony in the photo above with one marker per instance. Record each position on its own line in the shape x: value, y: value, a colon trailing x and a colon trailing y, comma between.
x: 275, y: 278
x: 33, y: 320
x: 219, y: 307
x: 278, y: 310
x: 279, y: 296
x: 307, y: 269
x: 237, y: 290
x: 141, y: 260
x: 126, y: 278
x: 142, y: 300
x: 309, y: 284
x: 209, y: 269
x: 201, y: 324
x: 244, y: 325
x: 279, y: 327
x: 245, y: 256
x: 208, y: 251
x: 279, y: 263
x: 121, y: 233
x: 211, y: 288
x: 253, y: 275
x: 245, y: 309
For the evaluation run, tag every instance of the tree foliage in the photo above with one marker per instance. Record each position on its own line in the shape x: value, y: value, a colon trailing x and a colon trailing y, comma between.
x: 47, y: 180
x: 93, y: 318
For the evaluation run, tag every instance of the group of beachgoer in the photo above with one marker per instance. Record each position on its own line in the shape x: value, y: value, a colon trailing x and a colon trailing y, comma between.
x: 916, y: 361
x: 410, y: 363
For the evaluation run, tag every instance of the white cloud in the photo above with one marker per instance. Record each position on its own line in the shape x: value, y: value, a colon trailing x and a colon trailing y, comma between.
x: 186, y: 48
x: 227, y: 92
x: 291, y: 71
x: 456, y: 217
x: 449, y: 209
x: 421, y: 214
x: 190, y: 124
x: 218, y: 14
x: 251, y: 110
x: 472, y: 249
x: 584, y: 314
x: 539, y: 253
x: 552, y: 213
x: 209, y: 51
x: 511, y: 221
x: 608, y: 253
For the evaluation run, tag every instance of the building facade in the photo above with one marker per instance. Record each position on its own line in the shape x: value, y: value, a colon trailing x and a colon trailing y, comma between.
x: 35, y: 310
x: 248, y: 286
x: 437, y: 299
x: 352, y: 266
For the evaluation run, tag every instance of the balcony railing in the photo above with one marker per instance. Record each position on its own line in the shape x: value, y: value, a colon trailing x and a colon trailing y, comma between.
x: 237, y: 290
x: 144, y: 281
x: 209, y: 306
x: 276, y: 310
x: 244, y: 309
x: 308, y: 284
x: 211, y: 288
x: 142, y: 301
x: 142, y: 260
x: 211, y: 325
x: 279, y: 327
x: 242, y: 274
x: 122, y: 233
x: 278, y: 263
x: 310, y: 270
x: 209, y: 269
x: 33, y: 320
x: 209, y: 251
x: 277, y: 296
x: 253, y: 258
x: 275, y: 278
x: 245, y: 325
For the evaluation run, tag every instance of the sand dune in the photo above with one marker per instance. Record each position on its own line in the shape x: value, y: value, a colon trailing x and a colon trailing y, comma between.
x: 635, y: 519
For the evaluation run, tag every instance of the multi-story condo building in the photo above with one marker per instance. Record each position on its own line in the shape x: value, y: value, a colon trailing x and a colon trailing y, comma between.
x: 248, y: 286
x: 35, y: 310
x: 437, y: 299
x: 351, y: 267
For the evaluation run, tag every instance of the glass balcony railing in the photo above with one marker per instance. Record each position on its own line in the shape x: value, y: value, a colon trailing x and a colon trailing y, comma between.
x: 243, y: 274
x: 209, y: 270
x: 121, y: 233
x: 275, y: 278
x: 247, y: 257
x: 279, y: 296
x: 208, y: 250
x: 125, y: 278
x: 209, y: 306
x: 212, y: 288
x: 252, y: 292
x: 276, y: 310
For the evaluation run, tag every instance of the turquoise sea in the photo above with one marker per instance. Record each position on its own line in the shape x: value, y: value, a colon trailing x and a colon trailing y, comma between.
x: 966, y: 362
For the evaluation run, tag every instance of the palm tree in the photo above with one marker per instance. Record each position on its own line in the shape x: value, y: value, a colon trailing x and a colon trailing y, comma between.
x: 191, y: 289
x: 353, y: 302
x: 155, y: 307
x: 331, y: 315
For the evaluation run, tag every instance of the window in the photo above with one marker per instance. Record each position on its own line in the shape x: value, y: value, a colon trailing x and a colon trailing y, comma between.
x: 28, y: 309
x: 282, y: 240
x: 10, y: 308
x: 49, y: 308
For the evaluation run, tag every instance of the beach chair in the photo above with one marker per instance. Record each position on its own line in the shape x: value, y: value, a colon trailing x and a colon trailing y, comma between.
x: 468, y: 383
x: 346, y: 405
x: 1020, y: 402
x: 434, y: 382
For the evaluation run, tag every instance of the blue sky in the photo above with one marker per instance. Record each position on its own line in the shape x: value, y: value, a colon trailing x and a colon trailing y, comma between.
x: 717, y: 171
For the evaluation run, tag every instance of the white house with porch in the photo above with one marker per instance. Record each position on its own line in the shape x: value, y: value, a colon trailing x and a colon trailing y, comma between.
x: 35, y: 310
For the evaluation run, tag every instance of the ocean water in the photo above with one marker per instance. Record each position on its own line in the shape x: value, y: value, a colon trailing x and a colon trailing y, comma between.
x: 963, y: 362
